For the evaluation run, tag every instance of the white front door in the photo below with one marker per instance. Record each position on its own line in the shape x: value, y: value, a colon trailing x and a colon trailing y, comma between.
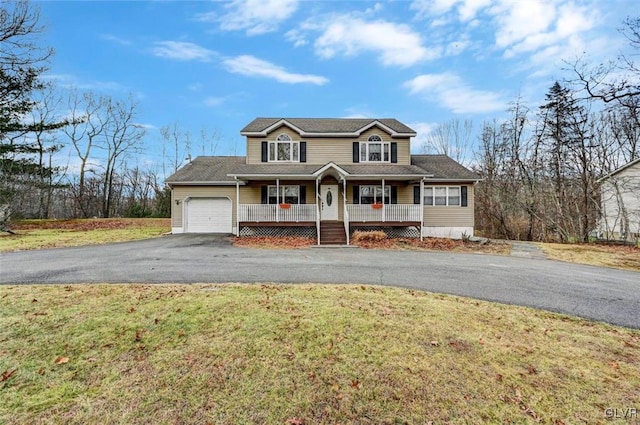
x: 329, y: 202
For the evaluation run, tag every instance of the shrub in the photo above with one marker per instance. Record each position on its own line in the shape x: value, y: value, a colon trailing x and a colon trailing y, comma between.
x: 368, y: 236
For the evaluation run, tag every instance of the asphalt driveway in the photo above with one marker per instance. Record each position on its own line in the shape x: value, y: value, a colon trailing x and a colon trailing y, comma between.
x: 596, y: 293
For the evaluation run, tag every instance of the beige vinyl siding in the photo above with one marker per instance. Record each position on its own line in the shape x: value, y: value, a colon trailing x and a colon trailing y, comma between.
x: 250, y: 194
x: 439, y: 216
x: 180, y: 193
x: 254, y: 150
x: 321, y: 150
x: 405, y: 192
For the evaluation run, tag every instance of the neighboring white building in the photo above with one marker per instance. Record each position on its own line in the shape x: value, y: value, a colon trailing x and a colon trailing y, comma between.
x: 620, y: 198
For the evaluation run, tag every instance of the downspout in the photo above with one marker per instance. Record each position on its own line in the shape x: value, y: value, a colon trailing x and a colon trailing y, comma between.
x: 237, y: 206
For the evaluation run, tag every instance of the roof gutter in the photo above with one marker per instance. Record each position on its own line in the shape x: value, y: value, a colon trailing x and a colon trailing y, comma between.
x: 201, y: 183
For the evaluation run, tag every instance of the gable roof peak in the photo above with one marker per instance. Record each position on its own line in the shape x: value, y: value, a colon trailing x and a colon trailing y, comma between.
x: 338, y: 127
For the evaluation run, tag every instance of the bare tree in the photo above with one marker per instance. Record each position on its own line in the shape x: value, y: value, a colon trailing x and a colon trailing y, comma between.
x: 452, y: 138
x: 87, y: 125
x: 617, y: 80
x: 209, y: 141
x: 176, y: 146
x: 47, y: 143
x: 123, y: 136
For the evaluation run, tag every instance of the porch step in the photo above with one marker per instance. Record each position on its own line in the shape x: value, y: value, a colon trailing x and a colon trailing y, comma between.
x: 332, y: 233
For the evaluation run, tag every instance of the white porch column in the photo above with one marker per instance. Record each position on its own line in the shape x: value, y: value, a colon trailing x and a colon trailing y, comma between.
x: 277, y: 200
x: 318, y: 208
x: 384, y: 214
x: 345, y: 214
x: 237, y: 207
x: 421, y: 208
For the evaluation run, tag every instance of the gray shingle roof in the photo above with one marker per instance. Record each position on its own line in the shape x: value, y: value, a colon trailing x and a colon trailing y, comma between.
x: 216, y: 169
x: 207, y: 169
x: 295, y: 169
x: 382, y: 169
x: 443, y: 167
x: 326, y: 125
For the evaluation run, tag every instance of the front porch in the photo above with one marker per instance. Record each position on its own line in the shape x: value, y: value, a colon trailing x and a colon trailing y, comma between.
x: 328, y: 202
x: 307, y: 218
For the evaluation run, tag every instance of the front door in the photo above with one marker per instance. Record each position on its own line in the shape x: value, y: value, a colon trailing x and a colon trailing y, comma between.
x: 329, y: 202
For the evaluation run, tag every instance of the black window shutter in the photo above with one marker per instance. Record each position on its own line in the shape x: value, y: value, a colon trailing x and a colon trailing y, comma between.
x: 394, y: 152
x: 463, y: 196
x: 394, y: 194
x: 303, y: 151
x: 416, y: 195
x: 356, y: 194
x: 265, y: 151
x: 356, y: 151
x: 263, y: 194
x: 303, y: 194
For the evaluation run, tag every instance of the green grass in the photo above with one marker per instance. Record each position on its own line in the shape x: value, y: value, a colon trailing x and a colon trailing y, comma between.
x: 301, y: 354
x: 620, y: 257
x: 39, y: 234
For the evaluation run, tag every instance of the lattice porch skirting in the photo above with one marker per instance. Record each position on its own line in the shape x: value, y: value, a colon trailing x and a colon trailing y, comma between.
x: 392, y: 232
x: 270, y: 231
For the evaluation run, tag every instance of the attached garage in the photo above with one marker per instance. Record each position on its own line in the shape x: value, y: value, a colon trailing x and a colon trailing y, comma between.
x: 208, y: 215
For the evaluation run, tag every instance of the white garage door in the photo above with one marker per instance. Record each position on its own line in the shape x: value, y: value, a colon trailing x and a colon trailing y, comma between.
x: 208, y: 215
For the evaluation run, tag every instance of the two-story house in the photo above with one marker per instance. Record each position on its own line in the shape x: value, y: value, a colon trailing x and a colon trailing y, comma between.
x: 324, y: 178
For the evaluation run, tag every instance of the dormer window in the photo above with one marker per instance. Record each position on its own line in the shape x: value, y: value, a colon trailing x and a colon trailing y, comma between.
x: 374, y: 150
x: 283, y: 149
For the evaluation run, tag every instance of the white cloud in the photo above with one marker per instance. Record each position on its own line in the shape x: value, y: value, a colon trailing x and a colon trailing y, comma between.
x: 183, y: 51
x: 455, y: 94
x: 296, y: 37
x: 214, y: 101
x: 147, y: 126
x: 350, y: 35
x: 427, y: 8
x: 72, y: 82
x: 253, y: 16
x: 467, y: 9
x: 254, y: 67
x: 115, y: 39
x: 527, y: 27
x: 457, y: 47
x: 518, y: 20
x: 422, y: 131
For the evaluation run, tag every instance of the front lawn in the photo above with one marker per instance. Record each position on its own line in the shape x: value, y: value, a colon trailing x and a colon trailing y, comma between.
x: 302, y: 354
x: 39, y: 234
x: 620, y: 257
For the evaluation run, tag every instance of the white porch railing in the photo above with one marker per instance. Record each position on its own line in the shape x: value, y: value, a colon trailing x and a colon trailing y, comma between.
x: 273, y: 213
x: 388, y: 212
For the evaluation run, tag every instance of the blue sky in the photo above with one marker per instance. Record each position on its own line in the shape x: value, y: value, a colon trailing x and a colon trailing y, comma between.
x: 217, y: 65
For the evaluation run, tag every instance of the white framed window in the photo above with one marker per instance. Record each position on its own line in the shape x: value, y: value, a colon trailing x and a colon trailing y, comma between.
x: 287, y: 195
x: 444, y: 196
x: 375, y: 150
x: 370, y: 194
x: 283, y: 149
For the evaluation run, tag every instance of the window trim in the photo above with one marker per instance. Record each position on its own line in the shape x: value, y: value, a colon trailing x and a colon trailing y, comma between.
x: 447, y: 196
x: 281, y: 196
x: 376, y: 189
x: 374, y: 139
x: 283, y: 139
